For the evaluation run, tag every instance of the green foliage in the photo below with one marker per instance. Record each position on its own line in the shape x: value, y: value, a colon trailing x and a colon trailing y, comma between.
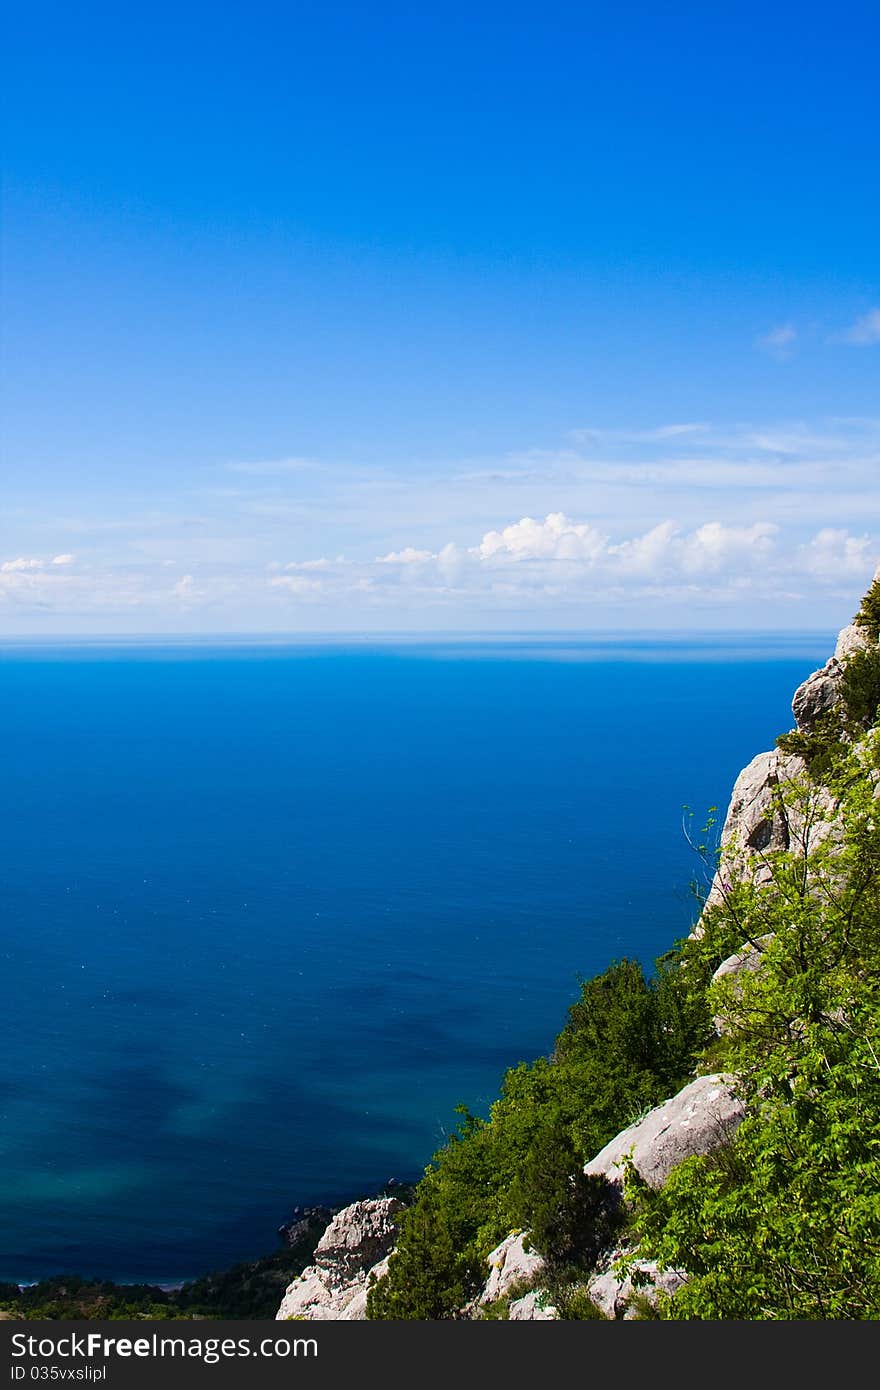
x: 825, y: 745
x: 433, y: 1273
x: 572, y: 1302
x: 571, y: 1218
x: 860, y: 689
x: 69, y: 1296
x: 627, y: 1042
x: 821, y: 747
x: 252, y: 1289
x: 785, y: 1221
x: 868, y: 615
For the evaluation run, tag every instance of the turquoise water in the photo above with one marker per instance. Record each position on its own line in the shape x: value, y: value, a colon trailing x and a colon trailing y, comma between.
x: 269, y: 913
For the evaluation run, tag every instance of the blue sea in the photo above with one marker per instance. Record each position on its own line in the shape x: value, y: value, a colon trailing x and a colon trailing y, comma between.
x: 270, y: 912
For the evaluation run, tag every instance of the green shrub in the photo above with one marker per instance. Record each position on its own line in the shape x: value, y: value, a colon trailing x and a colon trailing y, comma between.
x: 868, y: 615
x: 860, y: 689
x: 627, y: 1042
x: 571, y: 1218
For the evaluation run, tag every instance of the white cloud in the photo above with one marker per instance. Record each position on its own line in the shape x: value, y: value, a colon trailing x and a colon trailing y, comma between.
x: 19, y: 565
x: 710, y: 549
x: 554, y: 538
x: 779, y: 342
x: 714, y: 546
x: 407, y: 556
x: 451, y: 563
x: 646, y: 554
x: 673, y: 431
x: 643, y: 521
x: 864, y: 332
x: 297, y: 584
x: 833, y: 552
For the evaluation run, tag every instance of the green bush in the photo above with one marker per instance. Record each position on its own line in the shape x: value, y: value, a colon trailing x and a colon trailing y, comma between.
x: 868, y: 615
x: 860, y: 689
x: 627, y: 1042
x: 571, y: 1218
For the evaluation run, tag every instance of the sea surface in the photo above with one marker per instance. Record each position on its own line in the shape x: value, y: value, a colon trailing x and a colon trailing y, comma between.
x: 269, y: 912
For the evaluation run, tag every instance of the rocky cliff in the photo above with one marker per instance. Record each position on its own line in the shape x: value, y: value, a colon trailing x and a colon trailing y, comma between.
x: 763, y: 822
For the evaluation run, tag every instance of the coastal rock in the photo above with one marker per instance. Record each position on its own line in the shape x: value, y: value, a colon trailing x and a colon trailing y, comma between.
x: 819, y: 693
x: 510, y: 1263
x: 357, y: 1238
x: 356, y: 1309
x: 700, y: 1118
x: 304, y: 1222
x: 615, y: 1295
x: 753, y: 821
x: 755, y: 825
x: 533, y: 1307
x: 850, y: 640
x: 746, y: 958
x: 350, y: 1254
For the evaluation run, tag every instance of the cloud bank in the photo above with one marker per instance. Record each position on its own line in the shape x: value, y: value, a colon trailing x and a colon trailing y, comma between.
x: 771, y: 524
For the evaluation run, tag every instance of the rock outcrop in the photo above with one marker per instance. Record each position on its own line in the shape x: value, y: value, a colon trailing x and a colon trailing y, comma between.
x: 351, y: 1253
x: 533, y: 1307
x: 618, y: 1295
x: 852, y: 639
x: 701, y: 1117
x: 510, y: 1263
x: 818, y: 694
x: 756, y: 825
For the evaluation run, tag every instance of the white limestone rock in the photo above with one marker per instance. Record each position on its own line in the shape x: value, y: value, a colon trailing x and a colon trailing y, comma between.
x: 748, y: 958
x: 819, y: 693
x: 700, y: 1118
x: 752, y: 821
x: 358, y: 1237
x: 850, y: 640
x: 615, y: 1295
x: 356, y: 1309
x: 351, y: 1253
x: 510, y: 1263
x: 756, y: 826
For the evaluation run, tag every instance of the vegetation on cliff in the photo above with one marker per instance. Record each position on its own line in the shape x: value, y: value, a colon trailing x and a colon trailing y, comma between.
x: 784, y: 1220
x: 628, y: 1042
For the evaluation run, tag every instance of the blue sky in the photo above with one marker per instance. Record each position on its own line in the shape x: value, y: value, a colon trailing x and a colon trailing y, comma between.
x: 334, y: 317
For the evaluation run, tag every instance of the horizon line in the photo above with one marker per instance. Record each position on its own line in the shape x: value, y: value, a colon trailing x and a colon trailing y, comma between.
x: 438, y: 635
